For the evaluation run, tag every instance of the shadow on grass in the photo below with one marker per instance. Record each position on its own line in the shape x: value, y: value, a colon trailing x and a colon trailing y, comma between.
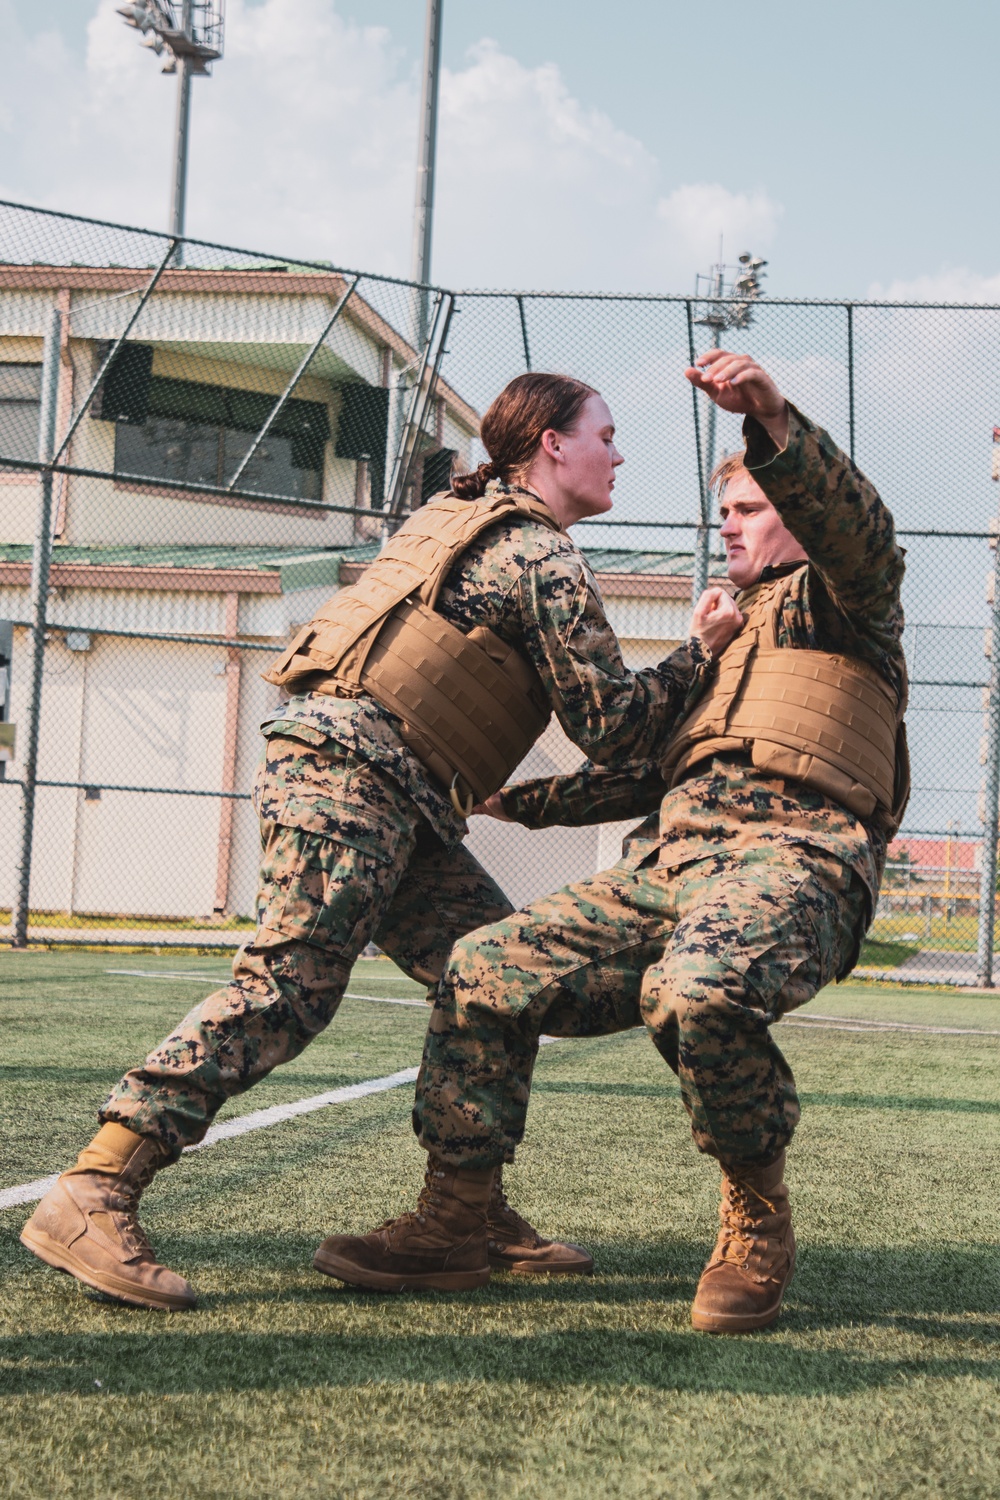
x: 934, y: 1294
x: 920, y: 1103
x: 181, y: 1360
x: 668, y: 1090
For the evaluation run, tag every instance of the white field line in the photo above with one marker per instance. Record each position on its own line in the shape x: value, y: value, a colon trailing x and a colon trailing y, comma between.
x: 817, y: 1022
x: 259, y: 1119
x: 28, y: 1192
x: 224, y: 979
x: 167, y: 974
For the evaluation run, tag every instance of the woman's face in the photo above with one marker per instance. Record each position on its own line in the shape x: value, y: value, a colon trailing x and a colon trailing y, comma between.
x: 589, y: 460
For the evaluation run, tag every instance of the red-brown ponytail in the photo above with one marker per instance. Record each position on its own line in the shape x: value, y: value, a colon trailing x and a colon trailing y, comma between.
x: 512, y: 428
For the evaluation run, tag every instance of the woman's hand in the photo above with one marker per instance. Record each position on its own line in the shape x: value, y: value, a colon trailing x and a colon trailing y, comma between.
x: 716, y: 619
x: 738, y: 384
x: 492, y: 808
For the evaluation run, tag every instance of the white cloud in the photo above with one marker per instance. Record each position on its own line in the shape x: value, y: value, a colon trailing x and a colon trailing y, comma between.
x: 304, y: 142
x: 952, y: 284
x: 696, y: 215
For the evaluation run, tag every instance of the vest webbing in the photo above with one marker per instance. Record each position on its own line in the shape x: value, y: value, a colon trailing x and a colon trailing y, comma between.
x: 469, y: 705
x: 826, y: 720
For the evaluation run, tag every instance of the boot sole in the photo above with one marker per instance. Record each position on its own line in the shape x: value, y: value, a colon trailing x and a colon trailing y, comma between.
x: 385, y: 1281
x: 63, y: 1259
x: 734, y: 1322
x: 533, y: 1268
x: 740, y: 1322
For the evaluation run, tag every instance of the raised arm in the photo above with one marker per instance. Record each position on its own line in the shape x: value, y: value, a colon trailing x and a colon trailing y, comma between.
x: 824, y: 500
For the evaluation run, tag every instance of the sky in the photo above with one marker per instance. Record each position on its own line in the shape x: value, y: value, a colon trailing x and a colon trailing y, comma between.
x: 581, y: 146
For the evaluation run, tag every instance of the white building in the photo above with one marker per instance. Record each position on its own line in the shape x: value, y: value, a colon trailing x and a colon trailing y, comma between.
x: 149, y: 582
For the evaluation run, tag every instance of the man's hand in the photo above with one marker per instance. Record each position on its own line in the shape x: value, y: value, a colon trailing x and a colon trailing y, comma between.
x: 737, y: 383
x: 492, y: 808
x: 716, y: 619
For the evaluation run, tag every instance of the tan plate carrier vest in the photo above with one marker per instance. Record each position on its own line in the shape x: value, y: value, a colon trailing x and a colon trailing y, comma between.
x: 470, y: 707
x: 826, y: 720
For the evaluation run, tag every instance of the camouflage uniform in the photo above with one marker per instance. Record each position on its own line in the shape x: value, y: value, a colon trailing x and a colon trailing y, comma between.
x: 734, y: 902
x: 359, y: 843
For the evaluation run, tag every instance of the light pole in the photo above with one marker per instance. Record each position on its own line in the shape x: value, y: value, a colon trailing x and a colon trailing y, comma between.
x: 725, y: 307
x: 190, y: 32
x: 423, y: 212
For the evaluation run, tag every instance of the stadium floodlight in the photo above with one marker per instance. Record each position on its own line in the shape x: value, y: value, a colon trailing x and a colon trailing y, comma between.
x: 190, y: 32
x: 136, y: 15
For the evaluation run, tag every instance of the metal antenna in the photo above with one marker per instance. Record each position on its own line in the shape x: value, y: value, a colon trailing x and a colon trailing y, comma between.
x: 190, y: 32
x: 725, y: 306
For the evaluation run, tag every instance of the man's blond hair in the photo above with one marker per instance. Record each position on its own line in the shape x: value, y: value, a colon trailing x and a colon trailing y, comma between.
x: 726, y: 469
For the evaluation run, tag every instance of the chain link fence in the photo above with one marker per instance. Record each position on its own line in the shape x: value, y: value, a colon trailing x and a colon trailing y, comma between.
x: 192, y: 459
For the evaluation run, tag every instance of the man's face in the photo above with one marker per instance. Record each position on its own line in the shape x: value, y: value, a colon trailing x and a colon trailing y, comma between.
x: 754, y: 534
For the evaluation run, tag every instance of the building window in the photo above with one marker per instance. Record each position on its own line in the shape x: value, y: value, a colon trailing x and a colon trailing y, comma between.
x: 20, y: 406
x: 198, y: 434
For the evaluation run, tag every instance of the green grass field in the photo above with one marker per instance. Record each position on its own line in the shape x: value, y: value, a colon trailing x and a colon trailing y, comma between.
x: 882, y: 1378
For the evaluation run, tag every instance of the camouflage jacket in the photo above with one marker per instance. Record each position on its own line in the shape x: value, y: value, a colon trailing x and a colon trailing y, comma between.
x: 532, y: 587
x: 846, y: 599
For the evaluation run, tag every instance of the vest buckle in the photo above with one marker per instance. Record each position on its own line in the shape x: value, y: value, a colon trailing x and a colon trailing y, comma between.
x: 456, y: 798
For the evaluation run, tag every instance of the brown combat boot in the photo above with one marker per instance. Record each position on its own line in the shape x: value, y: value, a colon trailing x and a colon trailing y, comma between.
x: 513, y: 1245
x: 440, y: 1245
x: 742, y: 1286
x: 86, y: 1224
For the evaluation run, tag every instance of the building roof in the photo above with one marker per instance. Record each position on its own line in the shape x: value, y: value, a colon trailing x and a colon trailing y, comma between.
x: 954, y: 853
x: 658, y: 564
x: 277, y: 570
x: 270, y: 280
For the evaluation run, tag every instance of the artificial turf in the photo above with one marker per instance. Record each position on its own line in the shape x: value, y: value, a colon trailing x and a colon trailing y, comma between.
x: 881, y: 1379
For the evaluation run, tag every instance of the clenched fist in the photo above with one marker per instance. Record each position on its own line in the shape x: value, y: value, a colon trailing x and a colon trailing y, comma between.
x: 716, y: 619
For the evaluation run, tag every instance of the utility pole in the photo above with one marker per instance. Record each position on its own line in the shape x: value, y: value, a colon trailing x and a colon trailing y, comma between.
x: 190, y: 32
x: 178, y: 187
x: 725, y: 307
x: 423, y: 214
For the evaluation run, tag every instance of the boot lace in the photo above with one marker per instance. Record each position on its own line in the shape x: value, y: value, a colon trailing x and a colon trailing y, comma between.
x: 427, y: 1202
x: 739, y: 1215
x: 501, y: 1211
x: 125, y: 1205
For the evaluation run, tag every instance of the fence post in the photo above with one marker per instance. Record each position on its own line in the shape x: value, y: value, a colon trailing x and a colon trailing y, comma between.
x: 991, y: 809
x: 850, y: 374
x: 702, y: 542
x: 41, y: 558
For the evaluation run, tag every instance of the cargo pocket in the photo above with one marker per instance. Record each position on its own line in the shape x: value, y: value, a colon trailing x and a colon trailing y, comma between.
x: 335, y: 837
x: 317, y: 890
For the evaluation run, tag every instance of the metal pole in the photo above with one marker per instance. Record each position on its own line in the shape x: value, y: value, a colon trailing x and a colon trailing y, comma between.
x: 850, y: 373
x: 700, y: 562
x: 423, y: 217
x: 700, y: 570
x: 41, y: 559
x: 410, y: 433
x: 524, y: 334
x: 991, y: 810
x: 701, y: 556
x: 178, y: 191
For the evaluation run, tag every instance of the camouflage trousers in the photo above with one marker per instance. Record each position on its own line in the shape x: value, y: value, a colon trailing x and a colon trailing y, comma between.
x: 347, y: 858
x: 706, y: 956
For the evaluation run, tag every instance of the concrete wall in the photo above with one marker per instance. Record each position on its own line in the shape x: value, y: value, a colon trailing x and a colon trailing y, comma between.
x: 153, y: 713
